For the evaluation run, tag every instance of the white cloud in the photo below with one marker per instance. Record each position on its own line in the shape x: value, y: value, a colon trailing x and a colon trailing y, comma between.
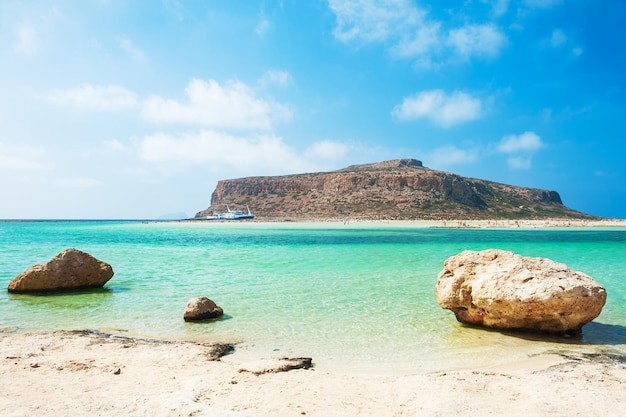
x: 262, y: 26
x: 33, y: 25
x: 371, y: 20
x: 22, y: 159
x: 327, y: 149
x: 410, y: 33
x: 450, y: 155
x: 558, y: 38
x: 219, y: 151
x: 519, y: 162
x: 445, y: 110
x: 133, y: 51
x: 174, y: 7
x: 233, y: 105
x: 95, y: 97
x: 542, y: 3
x: 527, y: 141
x: 115, y: 145
x: 27, y: 42
x: 477, y: 40
x: 526, y: 144
x: 276, y: 77
x: 422, y: 41
x: 500, y: 7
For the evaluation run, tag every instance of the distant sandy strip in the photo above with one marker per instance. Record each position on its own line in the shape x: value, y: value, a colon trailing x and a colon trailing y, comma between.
x: 481, y: 224
x: 91, y: 374
x: 496, y: 224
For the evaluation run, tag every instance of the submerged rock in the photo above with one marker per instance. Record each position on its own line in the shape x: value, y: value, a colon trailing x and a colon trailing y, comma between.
x: 503, y: 290
x: 202, y: 308
x: 70, y: 269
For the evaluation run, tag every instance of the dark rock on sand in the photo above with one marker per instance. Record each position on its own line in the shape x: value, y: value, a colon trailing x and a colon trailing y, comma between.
x: 202, y: 308
x: 70, y: 269
x: 273, y: 366
x: 216, y: 351
x: 213, y: 351
x: 503, y: 290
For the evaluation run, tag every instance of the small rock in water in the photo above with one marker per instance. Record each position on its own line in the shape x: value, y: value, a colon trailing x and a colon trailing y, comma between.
x: 202, y: 308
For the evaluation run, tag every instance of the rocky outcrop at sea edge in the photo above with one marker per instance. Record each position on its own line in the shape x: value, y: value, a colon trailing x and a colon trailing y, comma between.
x: 400, y: 189
x: 202, y: 308
x: 504, y: 290
x: 69, y: 270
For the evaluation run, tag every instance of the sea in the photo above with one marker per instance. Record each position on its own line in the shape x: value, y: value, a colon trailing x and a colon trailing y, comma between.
x: 352, y: 296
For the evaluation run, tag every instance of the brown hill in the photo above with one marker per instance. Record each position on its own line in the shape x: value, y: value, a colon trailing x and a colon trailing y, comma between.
x: 400, y: 189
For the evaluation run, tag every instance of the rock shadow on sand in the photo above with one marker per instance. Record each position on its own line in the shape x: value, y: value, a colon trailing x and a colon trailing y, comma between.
x: 593, y: 333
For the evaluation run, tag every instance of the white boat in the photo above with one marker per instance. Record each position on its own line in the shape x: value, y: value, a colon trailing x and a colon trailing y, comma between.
x: 213, y: 216
x: 230, y: 215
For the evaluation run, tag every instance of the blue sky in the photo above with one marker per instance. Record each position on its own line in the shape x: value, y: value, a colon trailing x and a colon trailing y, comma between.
x: 135, y: 109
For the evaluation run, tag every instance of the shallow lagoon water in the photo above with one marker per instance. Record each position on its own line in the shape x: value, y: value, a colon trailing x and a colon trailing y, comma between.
x: 358, y: 296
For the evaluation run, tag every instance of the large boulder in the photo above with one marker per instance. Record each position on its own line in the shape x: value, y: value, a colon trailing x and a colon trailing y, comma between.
x: 202, y: 308
x: 70, y: 269
x: 503, y: 290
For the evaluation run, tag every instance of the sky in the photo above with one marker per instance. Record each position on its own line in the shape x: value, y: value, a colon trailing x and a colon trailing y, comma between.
x: 134, y: 109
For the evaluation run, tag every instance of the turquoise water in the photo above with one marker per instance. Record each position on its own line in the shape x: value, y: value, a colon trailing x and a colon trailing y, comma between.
x: 357, y: 296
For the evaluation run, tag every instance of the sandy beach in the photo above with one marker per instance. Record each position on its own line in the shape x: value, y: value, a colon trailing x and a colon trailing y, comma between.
x: 87, y: 373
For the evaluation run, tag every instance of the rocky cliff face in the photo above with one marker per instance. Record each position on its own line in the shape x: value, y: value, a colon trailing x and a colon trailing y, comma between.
x: 400, y: 189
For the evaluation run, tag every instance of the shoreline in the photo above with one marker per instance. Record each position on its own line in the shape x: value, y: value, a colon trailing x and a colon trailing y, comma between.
x: 418, y: 223
x: 78, y: 373
x: 449, y: 224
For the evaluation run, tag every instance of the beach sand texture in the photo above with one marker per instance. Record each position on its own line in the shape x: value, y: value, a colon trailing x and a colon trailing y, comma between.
x: 83, y: 373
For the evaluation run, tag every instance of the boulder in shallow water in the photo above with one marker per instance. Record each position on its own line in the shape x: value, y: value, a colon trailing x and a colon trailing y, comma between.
x: 202, y: 308
x: 70, y: 269
x: 503, y: 290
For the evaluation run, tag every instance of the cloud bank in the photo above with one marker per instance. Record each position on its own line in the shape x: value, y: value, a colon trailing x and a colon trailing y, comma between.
x: 219, y: 151
x: 411, y: 33
x: 439, y: 107
x: 233, y: 105
x: 520, y: 147
x: 527, y: 141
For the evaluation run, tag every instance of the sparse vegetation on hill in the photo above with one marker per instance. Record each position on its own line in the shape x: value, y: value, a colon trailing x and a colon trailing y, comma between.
x: 401, y: 189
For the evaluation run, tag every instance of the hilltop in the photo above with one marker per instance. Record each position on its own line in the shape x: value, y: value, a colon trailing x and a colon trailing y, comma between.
x: 400, y: 189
